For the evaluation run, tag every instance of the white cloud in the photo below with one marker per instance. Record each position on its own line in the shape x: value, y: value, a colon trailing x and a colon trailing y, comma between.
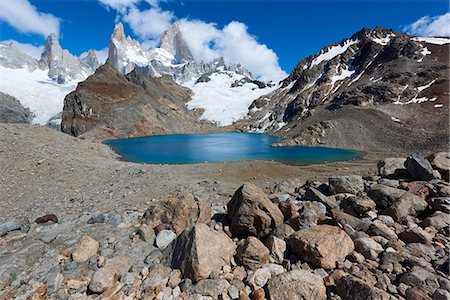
x: 102, y: 54
x: 237, y: 45
x: 430, y: 26
x: 200, y: 38
x: 119, y: 5
x: 30, y: 49
x: 25, y: 18
x: 234, y: 44
x: 150, y: 23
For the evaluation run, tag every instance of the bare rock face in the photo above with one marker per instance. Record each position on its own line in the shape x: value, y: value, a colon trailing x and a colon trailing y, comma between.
x: 297, y: 285
x: 110, y: 105
x: 179, y: 212
x: 173, y: 42
x: 322, y: 246
x: 251, y: 212
x: 200, y: 250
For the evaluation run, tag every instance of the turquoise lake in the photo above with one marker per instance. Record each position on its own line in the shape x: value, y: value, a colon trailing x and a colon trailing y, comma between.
x: 223, y: 147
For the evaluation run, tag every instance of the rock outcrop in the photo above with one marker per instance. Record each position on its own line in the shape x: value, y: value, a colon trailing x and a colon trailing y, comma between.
x: 111, y: 105
x: 11, y: 111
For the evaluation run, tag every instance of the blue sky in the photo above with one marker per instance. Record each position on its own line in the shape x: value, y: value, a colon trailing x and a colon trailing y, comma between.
x: 292, y: 29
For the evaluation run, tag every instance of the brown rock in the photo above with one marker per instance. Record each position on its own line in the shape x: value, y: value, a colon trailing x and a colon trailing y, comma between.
x: 180, y: 212
x: 199, y: 251
x: 47, y: 218
x: 87, y: 248
x: 251, y: 213
x: 407, y: 205
x: 251, y: 253
x: 321, y: 245
x: 258, y: 294
x: 297, y: 285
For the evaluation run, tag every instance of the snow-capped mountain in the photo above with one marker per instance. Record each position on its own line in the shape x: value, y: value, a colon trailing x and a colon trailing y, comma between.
x: 375, y: 82
x: 41, y: 85
x: 223, y: 100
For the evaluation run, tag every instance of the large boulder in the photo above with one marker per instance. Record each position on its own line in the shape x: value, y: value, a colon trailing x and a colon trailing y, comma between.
x: 297, y: 285
x: 351, y: 288
x: 252, y: 253
x: 199, y: 251
x: 407, y: 205
x: 352, y: 184
x: 383, y: 195
x: 392, y: 168
x: 251, y: 213
x: 179, y: 212
x: 419, y: 167
x: 441, y: 162
x: 322, y: 246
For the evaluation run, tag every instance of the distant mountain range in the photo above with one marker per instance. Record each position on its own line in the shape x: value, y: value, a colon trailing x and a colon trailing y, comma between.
x: 383, y: 86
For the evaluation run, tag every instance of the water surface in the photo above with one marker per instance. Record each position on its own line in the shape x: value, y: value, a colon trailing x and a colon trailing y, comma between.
x: 223, y: 147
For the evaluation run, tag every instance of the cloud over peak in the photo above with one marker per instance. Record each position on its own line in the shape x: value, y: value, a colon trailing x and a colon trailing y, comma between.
x: 25, y: 18
x: 206, y: 41
x: 430, y: 26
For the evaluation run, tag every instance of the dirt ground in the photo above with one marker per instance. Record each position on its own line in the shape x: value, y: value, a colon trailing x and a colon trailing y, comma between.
x: 44, y: 171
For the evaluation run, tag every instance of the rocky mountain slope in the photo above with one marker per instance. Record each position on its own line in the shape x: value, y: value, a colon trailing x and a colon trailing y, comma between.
x: 41, y: 85
x: 112, y: 105
x: 377, y: 89
x: 11, y: 111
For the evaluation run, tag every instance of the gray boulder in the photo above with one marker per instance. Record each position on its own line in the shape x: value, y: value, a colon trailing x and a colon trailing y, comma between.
x: 419, y: 167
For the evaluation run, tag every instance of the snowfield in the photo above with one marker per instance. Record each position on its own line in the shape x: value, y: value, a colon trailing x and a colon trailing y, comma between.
x: 223, y: 104
x: 432, y: 40
x: 36, y: 91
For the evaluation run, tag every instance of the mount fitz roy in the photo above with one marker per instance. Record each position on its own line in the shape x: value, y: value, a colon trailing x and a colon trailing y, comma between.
x: 388, y: 89
x: 58, y: 72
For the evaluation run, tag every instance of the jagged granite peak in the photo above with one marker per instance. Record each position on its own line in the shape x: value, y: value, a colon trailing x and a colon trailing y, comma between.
x: 124, y: 52
x: 172, y: 41
x: 375, y: 82
x: 11, y: 57
x: 91, y: 59
x: 119, y: 33
x: 62, y: 65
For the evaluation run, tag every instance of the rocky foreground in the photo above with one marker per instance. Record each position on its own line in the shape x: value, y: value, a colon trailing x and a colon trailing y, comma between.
x: 377, y: 237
